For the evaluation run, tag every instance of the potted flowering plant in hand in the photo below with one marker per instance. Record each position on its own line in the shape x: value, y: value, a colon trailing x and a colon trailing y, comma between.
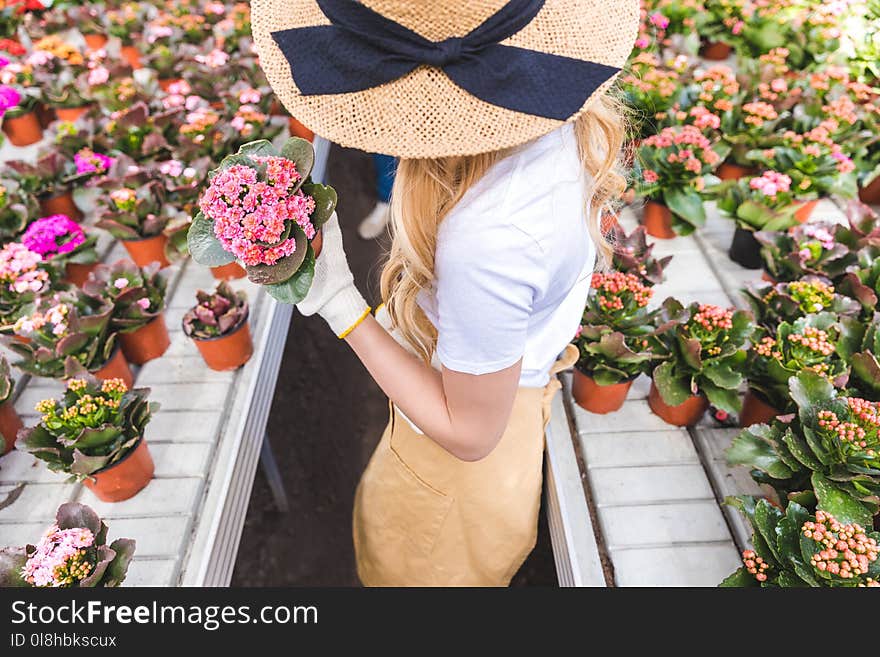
x: 66, y: 332
x: 138, y: 298
x: 611, y: 341
x: 801, y: 251
x: 632, y: 255
x: 831, y: 445
x: 23, y: 278
x: 764, y: 202
x: 703, y: 346
x: 800, y: 549
x: 73, y: 553
x: 16, y: 209
x: 821, y: 343
x: 673, y: 168
x: 773, y: 304
x: 219, y: 327
x: 279, y: 250
x: 95, y: 433
x: 132, y: 210
x: 64, y: 243
x: 10, y: 423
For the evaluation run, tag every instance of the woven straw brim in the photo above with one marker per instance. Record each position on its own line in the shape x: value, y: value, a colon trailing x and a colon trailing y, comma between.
x: 424, y: 114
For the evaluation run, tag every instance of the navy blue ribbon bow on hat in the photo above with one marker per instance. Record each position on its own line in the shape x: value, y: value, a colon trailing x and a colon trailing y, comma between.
x: 362, y: 49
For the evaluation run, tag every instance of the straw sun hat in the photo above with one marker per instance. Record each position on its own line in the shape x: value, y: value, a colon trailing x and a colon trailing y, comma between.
x: 433, y: 78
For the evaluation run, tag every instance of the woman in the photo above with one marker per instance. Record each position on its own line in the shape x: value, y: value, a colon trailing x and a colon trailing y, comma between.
x: 508, y: 147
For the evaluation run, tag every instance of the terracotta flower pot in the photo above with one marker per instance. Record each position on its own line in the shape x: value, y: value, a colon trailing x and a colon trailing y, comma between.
x: 148, y: 342
x: 46, y: 115
x: 131, y: 55
x: 802, y: 214
x: 95, y: 41
x: 116, y: 368
x: 595, y: 397
x: 768, y: 278
x: 227, y: 352
x: 147, y: 250
x: 756, y: 410
x: 229, y: 272
x: 715, y: 51
x: 297, y: 129
x: 10, y: 424
x: 657, y: 220
x: 745, y: 250
x: 731, y: 171
x: 61, y: 204
x: 77, y: 273
x: 318, y: 243
x: 71, y: 114
x: 125, y: 478
x: 23, y: 130
x: 871, y: 193
x: 683, y: 415
x: 164, y: 83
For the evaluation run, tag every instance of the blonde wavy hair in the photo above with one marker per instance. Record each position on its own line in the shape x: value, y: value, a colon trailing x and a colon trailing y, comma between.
x: 425, y: 190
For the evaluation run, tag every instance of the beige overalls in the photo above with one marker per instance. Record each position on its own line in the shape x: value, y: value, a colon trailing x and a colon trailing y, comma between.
x: 423, y: 517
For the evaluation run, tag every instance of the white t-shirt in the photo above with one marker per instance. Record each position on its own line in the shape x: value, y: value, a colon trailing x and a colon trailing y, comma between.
x: 513, y: 264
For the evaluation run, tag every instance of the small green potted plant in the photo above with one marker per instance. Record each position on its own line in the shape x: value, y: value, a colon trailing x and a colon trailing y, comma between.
x: 702, y: 348
x: 787, y: 302
x: 73, y: 553
x: 10, y: 423
x: 95, y: 434
x: 830, y: 447
x: 218, y: 324
x: 673, y: 168
x: 138, y: 298
x: 612, y: 341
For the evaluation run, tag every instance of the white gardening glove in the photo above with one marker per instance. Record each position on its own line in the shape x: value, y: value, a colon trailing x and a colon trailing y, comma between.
x: 333, y: 294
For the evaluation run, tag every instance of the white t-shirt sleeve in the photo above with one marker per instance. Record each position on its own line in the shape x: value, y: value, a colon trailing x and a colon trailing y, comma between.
x: 486, y: 283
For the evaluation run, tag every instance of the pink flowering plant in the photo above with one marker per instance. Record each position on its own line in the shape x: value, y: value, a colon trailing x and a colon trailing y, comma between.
x: 808, y: 249
x: 61, y: 240
x: 721, y: 21
x: 764, y: 202
x: 261, y: 208
x: 137, y: 294
x: 216, y: 314
x: 24, y: 277
x: 92, y: 426
x: 674, y: 167
x: 650, y: 89
x: 183, y: 181
x: 72, y: 553
x: 702, y: 351
x: 830, y: 445
x: 800, y: 549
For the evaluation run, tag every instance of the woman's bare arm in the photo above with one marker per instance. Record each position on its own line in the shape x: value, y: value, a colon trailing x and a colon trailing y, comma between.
x: 465, y: 414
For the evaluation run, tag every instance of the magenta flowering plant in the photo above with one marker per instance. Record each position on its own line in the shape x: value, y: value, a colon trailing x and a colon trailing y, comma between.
x: 61, y: 240
x: 261, y: 207
x: 10, y: 97
x: 88, y: 161
x: 72, y: 553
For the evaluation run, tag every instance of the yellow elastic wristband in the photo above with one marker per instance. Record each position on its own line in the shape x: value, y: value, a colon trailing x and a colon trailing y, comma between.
x: 379, y: 307
x: 351, y: 328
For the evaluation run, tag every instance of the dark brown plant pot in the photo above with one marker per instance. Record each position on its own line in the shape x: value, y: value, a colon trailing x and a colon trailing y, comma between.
x: 683, y: 415
x: 132, y: 55
x: 77, y: 273
x: 715, y: 51
x: 871, y: 193
x: 10, y: 424
x: 164, y: 83
x: 805, y: 210
x: 95, y: 41
x: 318, y: 243
x: 116, y: 368
x: 23, y: 130
x: 125, y: 478
x: 61, y: 204
x: 147, y: 343
x: 731, y: 171
x: 230, y: 272
x: 227, y: 352
x: 71, y: 114
x: 657, y: 220
x: 745, y: 250
x: 46, y: 114
x: 297, y: 129
x: 597, y: 398
x: 147, y: 250
x: 756, y: 410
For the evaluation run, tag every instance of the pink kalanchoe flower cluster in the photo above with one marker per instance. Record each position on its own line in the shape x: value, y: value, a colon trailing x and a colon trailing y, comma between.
x: 755, y: 565
x: 19, y: 269
x: 42, y: 236
x: 713, y: 318
x: 88, y: 161
x: 771, y: 183
x: 820, y: 234
x: 251, y: 214
x: 847, y: 550
x: 60, y: 558
x: 860, y: 433
x: 816, y: 340
x: 612, y: 286
x: 767, y: 348
x: 55, y: 317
